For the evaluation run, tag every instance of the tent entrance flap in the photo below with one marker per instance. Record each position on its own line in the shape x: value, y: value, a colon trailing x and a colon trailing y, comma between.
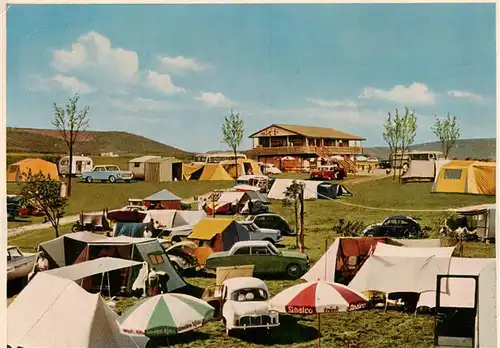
x: 456, y: 326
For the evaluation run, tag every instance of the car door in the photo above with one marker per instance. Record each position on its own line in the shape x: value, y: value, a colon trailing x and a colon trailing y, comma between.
x: 261, y: 260
x: 99, y: 173
x: 389, y: 228
x: 403, y: 228
x: 261, y: 221
x: 241, y: 257
x: 280, y: 224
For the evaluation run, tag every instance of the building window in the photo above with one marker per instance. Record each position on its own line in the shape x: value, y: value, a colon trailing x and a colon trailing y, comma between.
x: 137, y: 165
x: 453, y: 174
x: 278, y: 142
x: 264, y: 142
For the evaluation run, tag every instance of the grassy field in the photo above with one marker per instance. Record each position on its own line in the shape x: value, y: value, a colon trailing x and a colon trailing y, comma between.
x: 374, y: 328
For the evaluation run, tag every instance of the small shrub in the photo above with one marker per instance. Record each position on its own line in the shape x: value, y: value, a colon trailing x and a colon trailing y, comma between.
x: 348, y: 228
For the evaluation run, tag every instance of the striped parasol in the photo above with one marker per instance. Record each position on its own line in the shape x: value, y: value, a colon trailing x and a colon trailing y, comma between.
x: 165, y: 315
x: 316, y: 298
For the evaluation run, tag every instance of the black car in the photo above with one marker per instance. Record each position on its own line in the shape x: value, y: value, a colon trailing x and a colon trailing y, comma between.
x: 272, y: 221
x: 396, y: 227
x: 385, y: 164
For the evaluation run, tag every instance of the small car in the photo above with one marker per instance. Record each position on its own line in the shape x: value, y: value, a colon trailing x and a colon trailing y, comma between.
x: 259, y: 233
x: 245, y: 305
x: 272, y: 221
x: 329, y: 172
x: 265, y: 257
x: 110, y: 173
x: 396, y: 227
x: 384, y: 164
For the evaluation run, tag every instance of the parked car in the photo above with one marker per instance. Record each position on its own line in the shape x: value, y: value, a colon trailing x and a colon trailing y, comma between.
x: 180, y: 259
x: 245, y: 305
x: 265, y: 257
x: 19, y: 264
x: 259, y: 233
x: 109, y: 173
x: 272, y: 221
x: 396, y: 227
x: 329, y: 172
x: 384, y: 164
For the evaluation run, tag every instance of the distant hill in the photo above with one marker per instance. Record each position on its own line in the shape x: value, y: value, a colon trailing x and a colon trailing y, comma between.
x: 473, y: 148
x: 29, y: 140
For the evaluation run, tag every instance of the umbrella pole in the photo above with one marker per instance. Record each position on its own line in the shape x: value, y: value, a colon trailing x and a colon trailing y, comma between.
x: 319, y: 331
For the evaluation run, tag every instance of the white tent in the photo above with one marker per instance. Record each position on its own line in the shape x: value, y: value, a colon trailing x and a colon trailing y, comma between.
x: 164, y: 217
x: 53, y: 312
x: 399, y: 269
x: 324, y: 269
x: 280, y: 186
x: 88, y: 268
x: 188, y: 217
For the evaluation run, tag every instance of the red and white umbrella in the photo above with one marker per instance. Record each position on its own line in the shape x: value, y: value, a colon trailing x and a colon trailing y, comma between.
x: 317, y: 298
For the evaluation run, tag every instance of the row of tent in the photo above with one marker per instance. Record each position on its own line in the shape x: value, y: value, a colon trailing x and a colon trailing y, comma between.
x: 412, y: 266
x: 312, y: 189
x: 225, y: 170
x: 457, y: 176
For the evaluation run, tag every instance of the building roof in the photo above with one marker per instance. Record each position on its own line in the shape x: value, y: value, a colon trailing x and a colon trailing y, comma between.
x: 314, y: 132
x: 163, y: 195
x: 142, y: 159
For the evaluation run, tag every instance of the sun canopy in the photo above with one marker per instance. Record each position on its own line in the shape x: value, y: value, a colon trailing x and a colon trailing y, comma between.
x: 92, y: 267
x: 53, y: 312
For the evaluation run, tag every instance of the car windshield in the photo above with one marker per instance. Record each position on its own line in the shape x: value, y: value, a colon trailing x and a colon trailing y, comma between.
x: 112, y: 168
x: 249, y: 295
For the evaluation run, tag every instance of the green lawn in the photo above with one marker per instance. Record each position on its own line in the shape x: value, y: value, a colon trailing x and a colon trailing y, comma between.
x: 370, y: 329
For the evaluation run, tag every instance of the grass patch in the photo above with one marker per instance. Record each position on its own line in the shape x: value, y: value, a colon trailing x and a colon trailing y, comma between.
x: 374, y: 328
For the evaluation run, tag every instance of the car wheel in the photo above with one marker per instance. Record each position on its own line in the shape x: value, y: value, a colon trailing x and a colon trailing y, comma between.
x: 369, y: 234
x: 293, y: 271
x: 88, y: 179
x: 112, y: 179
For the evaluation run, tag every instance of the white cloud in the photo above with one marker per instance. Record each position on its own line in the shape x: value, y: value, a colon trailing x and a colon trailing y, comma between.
x: 416, y: 93
x: 181, y: 63
x: 466, y: 95
x: 72, y: 84
x: 93, y: 53
x: 140, y: 104
x: 333, y: 104
x: 215, y: 100
x: 163, y: 83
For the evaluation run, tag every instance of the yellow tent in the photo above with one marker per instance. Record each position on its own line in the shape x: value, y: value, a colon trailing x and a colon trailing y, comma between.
x: 16, y: 170
x: 205, y: 172
x: 244, y: 167
x: 471, y: 177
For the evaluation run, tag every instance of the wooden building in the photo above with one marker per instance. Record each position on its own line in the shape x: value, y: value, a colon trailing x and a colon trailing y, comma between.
x: 302, y: 143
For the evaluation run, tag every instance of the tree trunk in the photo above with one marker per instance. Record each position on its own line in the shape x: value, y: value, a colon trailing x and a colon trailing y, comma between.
x: 56, y: 230
x: 70, y: 166
x: 296, y: 208
x: 302, y: 246
x: 236, y: 161
x: 394, y: 163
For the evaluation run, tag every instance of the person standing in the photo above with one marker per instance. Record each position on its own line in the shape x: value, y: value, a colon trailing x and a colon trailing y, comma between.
x: 147, y: 233
x: 153, y: 282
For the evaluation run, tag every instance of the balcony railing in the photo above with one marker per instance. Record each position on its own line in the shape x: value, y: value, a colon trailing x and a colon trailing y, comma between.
x: 297, y: 150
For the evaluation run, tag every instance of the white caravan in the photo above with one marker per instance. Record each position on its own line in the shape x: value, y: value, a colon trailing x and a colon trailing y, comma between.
x: 81, y: 164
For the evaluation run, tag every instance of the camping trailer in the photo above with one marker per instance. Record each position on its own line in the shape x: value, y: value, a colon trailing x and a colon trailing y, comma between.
x: 81, y: 164
x: 137, y: 165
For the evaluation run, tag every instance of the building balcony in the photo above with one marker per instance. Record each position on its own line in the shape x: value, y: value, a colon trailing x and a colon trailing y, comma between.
x: 306, y: 150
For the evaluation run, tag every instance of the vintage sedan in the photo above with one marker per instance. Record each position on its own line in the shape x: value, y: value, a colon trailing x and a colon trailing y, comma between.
x: 110, y: 173
x: 19, y: 264
x: 396, y: 227
x: 272, y: 221
x: 259, y: 233
x: 266, y: 258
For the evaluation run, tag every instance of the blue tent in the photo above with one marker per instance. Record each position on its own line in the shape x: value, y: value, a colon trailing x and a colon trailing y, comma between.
x: 163, y: 195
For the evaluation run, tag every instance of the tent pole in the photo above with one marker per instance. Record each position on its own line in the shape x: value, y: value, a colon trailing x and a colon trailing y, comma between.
x: 319, y: 331
x: 326, y: 261
x: 109, y: 285
x: 102, y: 282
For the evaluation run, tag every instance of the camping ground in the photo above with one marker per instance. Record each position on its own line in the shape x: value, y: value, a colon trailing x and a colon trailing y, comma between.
x: 374, y: 328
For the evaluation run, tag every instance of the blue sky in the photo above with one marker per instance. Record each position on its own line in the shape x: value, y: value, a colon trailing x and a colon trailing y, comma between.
x: 172, y: 72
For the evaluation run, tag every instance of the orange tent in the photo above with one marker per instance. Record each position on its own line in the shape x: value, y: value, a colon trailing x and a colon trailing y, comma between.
x: 16, y: 170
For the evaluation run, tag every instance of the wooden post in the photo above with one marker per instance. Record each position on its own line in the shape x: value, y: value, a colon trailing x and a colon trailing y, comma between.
x: 302, y: 247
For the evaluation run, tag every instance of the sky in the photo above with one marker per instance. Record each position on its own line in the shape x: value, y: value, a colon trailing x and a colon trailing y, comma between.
x: 173, y: 72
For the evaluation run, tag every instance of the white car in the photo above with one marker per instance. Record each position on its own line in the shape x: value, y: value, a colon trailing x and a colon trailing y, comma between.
x: 258, y: 233
x: 246, y: 305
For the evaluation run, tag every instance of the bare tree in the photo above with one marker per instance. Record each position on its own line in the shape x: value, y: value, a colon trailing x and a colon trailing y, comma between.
x: 232, y: 134
x: 447, y: 131
x: 292, y: 198
x: 392, y: 136
x: 71, y: 122
x: 45, y: 193
x: 408, y: 133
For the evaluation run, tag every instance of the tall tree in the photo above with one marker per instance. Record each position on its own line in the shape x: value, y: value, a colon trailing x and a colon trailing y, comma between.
x: 408, y: 133
x: 45, y: 193
x: 232, y: 134
x: 71, y: 123
x: 392, y: 136
x: 447, y: 131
